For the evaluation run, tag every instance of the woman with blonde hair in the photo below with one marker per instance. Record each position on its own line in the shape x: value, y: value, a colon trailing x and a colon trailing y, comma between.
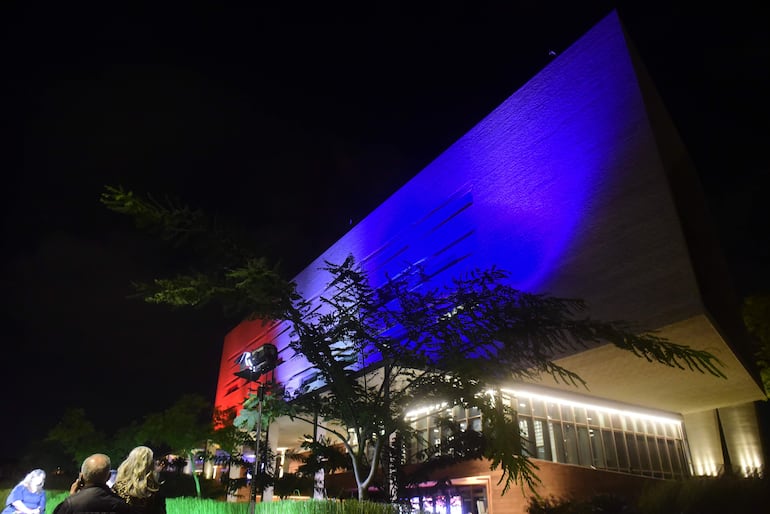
x: 28, y: 496
x: 137, y: 482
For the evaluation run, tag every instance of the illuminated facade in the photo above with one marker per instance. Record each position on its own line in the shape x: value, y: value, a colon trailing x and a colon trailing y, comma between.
x: 579, y: 185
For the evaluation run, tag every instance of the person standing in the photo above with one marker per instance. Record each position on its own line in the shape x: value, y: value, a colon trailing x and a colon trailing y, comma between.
x: 137, y: 482
x: 90, y: 493
x: 28, y: 497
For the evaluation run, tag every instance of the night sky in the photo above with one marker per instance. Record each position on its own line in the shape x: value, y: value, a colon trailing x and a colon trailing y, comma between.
x: 294, y: 124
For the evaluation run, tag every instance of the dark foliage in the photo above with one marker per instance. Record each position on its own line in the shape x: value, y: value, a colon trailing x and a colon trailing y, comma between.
x: 727, y: 494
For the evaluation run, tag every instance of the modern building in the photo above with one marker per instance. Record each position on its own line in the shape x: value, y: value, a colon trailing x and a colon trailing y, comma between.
x: 579, y: 185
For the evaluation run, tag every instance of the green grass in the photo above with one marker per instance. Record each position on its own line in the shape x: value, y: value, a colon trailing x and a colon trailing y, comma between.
x: 54, y: 498
x: 204, y: 506
x: 196, y: 506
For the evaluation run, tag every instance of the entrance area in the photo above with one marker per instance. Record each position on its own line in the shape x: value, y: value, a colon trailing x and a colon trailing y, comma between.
x: 448, y: 498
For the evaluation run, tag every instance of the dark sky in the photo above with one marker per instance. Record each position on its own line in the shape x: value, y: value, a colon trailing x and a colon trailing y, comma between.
x: 295, y: 123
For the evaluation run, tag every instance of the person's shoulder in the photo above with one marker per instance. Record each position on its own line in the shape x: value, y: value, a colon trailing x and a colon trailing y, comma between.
x: 98, y: 498
x: 17, y: 491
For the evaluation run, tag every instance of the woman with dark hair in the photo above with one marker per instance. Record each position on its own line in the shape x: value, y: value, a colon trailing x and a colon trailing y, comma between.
x: 137, y: 482
x: 28, y: 497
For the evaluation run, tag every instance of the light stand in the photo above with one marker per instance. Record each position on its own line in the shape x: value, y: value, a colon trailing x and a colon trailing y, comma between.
x: 255, y: 469
x: 253, y: 365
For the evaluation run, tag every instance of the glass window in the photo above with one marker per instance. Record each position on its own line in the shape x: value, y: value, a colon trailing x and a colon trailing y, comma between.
x: 649, y: 427
x: 538, y: 408
x: 433, y: 431
x: 522, y: 406
x: 609, y: 449
x: 620, y: 448
x: 557, y: 442
x: 677, y: 458
x: 527, y: 431
x: 418, y: 445
x: 599, y: 460
x: 665, y: 460
x: 580, y: 415
x: 446, y: 432
x: 604, y: 419
x: 655, y: 463
x: 523, y: 430
x: 634, y: 463
x: 592, y: 417
x: 553, y: 411
x: 584, y: 446
x: 570, y: 444
x: 644, y: 456
x: 542, y: 442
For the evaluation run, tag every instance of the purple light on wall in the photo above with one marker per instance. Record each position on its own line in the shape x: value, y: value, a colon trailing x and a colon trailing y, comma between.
x: 516, y: 190
x: 529, y: 169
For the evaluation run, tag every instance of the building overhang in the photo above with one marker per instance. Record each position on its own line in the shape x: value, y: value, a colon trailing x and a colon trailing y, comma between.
x: 619, y: 375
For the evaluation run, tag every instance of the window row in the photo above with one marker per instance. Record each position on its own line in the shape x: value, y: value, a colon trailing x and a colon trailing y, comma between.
x: 568, y: 443
x: 577, y: 434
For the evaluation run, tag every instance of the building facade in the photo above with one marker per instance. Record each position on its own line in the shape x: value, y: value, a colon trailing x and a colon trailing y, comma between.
x: 579, y: 185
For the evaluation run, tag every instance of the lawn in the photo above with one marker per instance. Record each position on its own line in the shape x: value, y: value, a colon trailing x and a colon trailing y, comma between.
x: 204, y: 506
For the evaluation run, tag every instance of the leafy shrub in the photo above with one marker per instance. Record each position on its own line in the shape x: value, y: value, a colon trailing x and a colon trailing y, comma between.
x: 603, y: 503
x: 722, y: 495
x: 177, y: 485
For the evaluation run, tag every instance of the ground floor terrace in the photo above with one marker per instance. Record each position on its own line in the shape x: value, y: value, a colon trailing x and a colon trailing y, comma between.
x: 582, y: 446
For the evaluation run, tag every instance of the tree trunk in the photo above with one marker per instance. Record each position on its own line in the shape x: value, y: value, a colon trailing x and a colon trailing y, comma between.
x: 319, y: 479
x: 197, y: 481
x: 319, y: 485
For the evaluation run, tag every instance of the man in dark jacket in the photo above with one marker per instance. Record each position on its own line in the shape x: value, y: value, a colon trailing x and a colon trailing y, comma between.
x: 90, y: 493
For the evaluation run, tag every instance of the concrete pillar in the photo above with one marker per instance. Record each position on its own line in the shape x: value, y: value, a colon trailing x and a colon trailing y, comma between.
x: 740, y: 426
x: 702, y: 431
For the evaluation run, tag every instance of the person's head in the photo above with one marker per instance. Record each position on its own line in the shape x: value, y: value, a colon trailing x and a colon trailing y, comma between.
x: 140, y: 458
x: 96, y: 469
x: 34, y: 480
x: 136, y: 474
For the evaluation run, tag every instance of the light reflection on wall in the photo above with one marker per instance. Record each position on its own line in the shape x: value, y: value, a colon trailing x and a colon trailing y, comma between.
x: 705, y: 467
x: 515, y: 190
x: 743, y: 438
x: 531, y: 167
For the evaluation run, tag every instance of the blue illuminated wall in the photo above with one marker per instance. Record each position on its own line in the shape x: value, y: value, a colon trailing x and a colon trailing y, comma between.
x: 561, y: 185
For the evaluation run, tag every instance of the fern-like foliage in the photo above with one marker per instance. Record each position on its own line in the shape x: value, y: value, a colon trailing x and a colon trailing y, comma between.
x: 229, y: 271
x: 448, y: 345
